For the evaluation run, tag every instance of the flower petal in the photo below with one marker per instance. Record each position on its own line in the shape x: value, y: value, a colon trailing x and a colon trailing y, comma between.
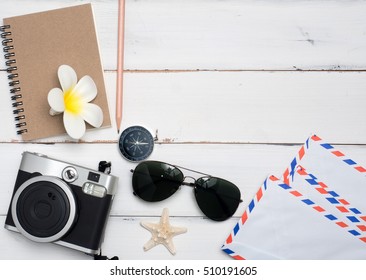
x: 92, y: 114
x: 85, y: 89
x: 56, y: 100
x: 74, y: 125
x: 67, y: 77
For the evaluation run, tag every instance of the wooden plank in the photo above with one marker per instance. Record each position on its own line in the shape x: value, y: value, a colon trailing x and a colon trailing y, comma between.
x: 125, y: 238
x: 220, y: 160
x: 247, y: 166
x: 230, y: 107
x: 232, y: 34
x: 188, y: 82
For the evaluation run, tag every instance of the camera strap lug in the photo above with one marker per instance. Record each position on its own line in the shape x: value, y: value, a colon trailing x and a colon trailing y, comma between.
x: 105, y: 167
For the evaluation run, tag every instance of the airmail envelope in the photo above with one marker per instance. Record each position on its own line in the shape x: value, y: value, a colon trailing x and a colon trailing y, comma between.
x: 317, y: 210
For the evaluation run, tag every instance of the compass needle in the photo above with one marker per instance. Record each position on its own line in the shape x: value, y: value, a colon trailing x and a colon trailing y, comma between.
x: 136, y: 143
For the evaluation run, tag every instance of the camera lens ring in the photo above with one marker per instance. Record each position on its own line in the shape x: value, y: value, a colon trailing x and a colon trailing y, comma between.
x: 70, y: 199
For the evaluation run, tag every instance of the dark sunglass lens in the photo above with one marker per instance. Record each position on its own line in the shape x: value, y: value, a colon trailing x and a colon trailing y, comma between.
x: 156, y: 181
x: 217, y: 198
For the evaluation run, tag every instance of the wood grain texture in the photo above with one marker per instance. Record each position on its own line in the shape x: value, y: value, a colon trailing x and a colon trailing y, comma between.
x: 230, y: 34
x: 245, y: 165
x: 230, y: 88
x: 231, y: 107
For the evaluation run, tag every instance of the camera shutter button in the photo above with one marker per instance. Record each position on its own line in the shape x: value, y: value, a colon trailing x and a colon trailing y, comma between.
x: 69, y: 174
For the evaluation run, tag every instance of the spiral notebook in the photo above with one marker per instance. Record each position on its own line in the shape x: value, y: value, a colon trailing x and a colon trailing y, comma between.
x: 35, y: 45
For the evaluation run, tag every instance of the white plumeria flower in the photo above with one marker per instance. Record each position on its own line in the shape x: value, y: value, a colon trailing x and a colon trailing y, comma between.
x: 73, y: 100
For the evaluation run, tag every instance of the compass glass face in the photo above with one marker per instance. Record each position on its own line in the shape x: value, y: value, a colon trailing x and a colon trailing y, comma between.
x: 136, y: 143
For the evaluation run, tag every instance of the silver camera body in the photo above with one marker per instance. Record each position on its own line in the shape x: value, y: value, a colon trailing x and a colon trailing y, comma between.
x: 55, y: 201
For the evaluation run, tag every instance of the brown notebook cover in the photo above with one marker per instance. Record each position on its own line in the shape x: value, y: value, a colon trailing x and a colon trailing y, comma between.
x: 42, y: 42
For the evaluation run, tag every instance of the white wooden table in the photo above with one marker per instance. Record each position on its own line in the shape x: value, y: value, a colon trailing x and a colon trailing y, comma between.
x: 229, y: 87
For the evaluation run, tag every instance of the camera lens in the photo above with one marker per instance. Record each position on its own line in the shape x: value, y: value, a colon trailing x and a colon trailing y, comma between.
x: 44, y: 209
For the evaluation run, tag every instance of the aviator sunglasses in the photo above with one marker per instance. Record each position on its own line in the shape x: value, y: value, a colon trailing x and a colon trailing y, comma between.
x: 155, y: 181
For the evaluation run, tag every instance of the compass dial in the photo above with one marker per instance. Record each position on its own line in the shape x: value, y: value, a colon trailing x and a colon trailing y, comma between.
x: 136, y: 143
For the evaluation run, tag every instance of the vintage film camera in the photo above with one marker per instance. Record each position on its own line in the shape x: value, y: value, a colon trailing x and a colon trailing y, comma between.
x: 59, y: 202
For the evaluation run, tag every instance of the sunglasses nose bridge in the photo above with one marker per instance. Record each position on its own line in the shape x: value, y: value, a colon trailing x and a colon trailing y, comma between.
x: 190, y: 184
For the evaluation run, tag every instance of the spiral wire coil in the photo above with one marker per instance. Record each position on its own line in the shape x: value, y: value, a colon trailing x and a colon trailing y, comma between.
x: 15, y: 90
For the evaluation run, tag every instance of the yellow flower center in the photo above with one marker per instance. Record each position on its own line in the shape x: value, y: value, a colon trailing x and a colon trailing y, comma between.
x: 72, y: 101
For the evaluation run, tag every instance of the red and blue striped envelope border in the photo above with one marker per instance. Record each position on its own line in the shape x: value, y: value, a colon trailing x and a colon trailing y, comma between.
x: 354, y: 221
x: 290, y: 172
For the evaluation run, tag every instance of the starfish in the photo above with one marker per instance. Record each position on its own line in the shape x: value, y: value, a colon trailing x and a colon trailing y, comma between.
x: 162, y: 233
